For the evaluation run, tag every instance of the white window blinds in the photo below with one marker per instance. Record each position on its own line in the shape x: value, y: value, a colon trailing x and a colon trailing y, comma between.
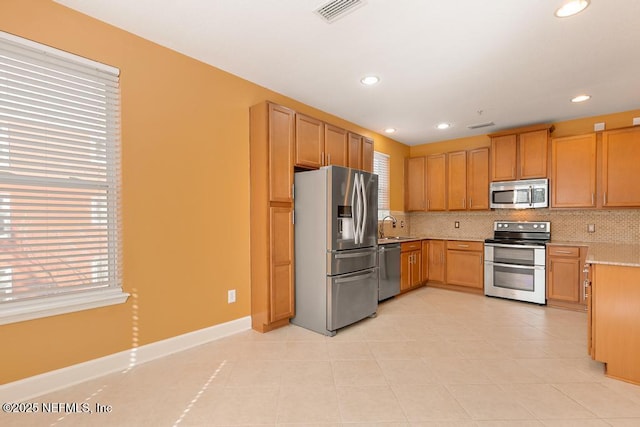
x: 381, y: 168
x: 59, y: 176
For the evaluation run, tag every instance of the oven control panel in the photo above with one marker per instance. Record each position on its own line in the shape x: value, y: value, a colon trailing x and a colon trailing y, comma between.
x: 526, y: 226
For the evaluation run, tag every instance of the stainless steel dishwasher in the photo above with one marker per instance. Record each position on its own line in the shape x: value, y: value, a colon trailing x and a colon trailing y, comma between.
x: 388, y: 270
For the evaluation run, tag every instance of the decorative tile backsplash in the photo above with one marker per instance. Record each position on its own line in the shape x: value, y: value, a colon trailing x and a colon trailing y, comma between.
x: 622, y: 226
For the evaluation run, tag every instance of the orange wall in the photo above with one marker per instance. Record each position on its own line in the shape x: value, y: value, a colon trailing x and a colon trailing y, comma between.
x: 185, y: 186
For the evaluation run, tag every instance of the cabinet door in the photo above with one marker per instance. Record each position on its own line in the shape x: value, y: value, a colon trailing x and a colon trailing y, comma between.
x: 355, y: 151
x: 620, y: 162
x: 478, y: 179
x: 465, y: 268
x: 281, y: 143
x: 436, y: 182
x: 367, y: 155
x: 416, y: 269
x: 564, y: 279
x: 309, y: 141
x: 281, y: 257
x: 335, y: 146
x: 573, y: 171
x: 503, y: 158
x: 457, y: 174
x: 405, y: 270
x: 436, y: 260
x: 415, y: 192
x: 533, y: 154
x: 425, y: 260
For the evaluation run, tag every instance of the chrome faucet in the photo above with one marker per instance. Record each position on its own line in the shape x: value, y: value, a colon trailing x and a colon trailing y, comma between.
x: 381, y: 228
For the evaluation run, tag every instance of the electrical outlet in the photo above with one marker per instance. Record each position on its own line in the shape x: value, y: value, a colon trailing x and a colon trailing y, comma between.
x: 401, y: 224
x: 591, y: 228
x: 598, y: 127
x: 231, y: 296
x: 636, y: 121
x: 457, y: 224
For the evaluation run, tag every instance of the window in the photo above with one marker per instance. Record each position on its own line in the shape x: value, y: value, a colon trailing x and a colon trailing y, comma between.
x: 59, y: 182
x: 381, y: 168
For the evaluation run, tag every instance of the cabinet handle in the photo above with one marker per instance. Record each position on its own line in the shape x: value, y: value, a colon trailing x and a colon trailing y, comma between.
x: 464, y: 203
x: 593, y: 199
x: 563, y: 252
x: 470, y: 202
x: 605, y: 199
x: 463, y: 246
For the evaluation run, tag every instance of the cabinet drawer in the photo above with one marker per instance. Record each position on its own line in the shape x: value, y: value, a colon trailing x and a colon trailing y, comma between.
x: 411, y: 246
x: 464, y: 245
x: 568, y: 251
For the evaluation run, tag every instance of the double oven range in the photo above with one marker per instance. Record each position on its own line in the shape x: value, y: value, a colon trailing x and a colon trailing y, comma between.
x: 515, y: 261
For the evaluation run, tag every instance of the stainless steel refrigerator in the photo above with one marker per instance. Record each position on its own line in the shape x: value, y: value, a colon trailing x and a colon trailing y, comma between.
x: 336, y: 212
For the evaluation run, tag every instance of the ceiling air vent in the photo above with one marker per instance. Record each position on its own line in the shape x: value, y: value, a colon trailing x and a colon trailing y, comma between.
x: 481, y: 125
x: 338, y: 8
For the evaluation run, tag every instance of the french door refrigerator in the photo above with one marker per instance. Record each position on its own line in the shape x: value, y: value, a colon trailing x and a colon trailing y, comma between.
x: 336, y: 279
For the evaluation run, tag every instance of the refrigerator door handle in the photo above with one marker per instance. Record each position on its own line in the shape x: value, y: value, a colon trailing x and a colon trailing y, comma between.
x: 363, y: 224
x: 357, y: 277
x: 354, y: 211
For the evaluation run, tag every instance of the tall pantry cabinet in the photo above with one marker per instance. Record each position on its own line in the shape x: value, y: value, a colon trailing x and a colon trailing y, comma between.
x: 272, y: 139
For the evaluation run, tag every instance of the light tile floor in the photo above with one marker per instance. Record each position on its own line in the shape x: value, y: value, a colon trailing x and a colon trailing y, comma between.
x: 431, y: 358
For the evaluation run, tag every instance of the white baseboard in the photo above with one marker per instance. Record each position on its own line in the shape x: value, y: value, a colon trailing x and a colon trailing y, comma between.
x: 28, y: 388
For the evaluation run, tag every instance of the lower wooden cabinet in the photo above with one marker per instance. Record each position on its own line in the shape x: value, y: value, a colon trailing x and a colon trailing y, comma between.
x: 436, y: 261
x: 564, y: 285
x: 614, y: 320
x: 465, y: 263
x: 410, y: 265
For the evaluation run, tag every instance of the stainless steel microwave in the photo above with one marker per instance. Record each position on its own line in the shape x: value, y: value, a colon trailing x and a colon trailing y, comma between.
x: 524, y: 194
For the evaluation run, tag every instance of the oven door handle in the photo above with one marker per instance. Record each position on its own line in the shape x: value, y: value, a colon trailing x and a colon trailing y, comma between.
x: 501, y: 245
x: 522, y: 267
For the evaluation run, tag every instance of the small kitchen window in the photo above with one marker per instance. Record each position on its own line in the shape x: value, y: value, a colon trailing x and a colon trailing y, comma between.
x: 381, y: 168
x: 59, y: 182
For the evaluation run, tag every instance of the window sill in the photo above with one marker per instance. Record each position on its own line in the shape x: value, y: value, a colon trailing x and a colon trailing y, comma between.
x: 20, y: 311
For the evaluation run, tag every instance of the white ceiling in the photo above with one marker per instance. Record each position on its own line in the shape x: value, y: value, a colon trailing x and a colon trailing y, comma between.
x: 438, y: 60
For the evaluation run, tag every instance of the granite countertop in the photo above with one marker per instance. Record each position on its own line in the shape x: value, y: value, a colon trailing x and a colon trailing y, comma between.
x: 623, y: 254
x: 403, y: 239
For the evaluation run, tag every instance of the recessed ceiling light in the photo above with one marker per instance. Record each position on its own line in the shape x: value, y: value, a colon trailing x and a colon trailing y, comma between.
x: 443, y: 126
x: 390, y: 130
x: 369, y: 80
x: 581, y: 98
x: 571, y: 8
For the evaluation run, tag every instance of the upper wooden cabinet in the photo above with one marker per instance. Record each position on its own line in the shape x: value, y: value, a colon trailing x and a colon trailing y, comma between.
x: 457, y: 180
x: 478, y: 179
x: 573, y: 171
x: 520, y: 153
x: 310, y: 141
x: 360, y: 152
x: 320, y: 144
x: 503, y: 157
x: 620, y: 161
x: 415, y: 180
x: 280, y: 122
x: 355, y: 150
x: 335, y: 146
x: 436, y: 182
x: 367, y: 154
